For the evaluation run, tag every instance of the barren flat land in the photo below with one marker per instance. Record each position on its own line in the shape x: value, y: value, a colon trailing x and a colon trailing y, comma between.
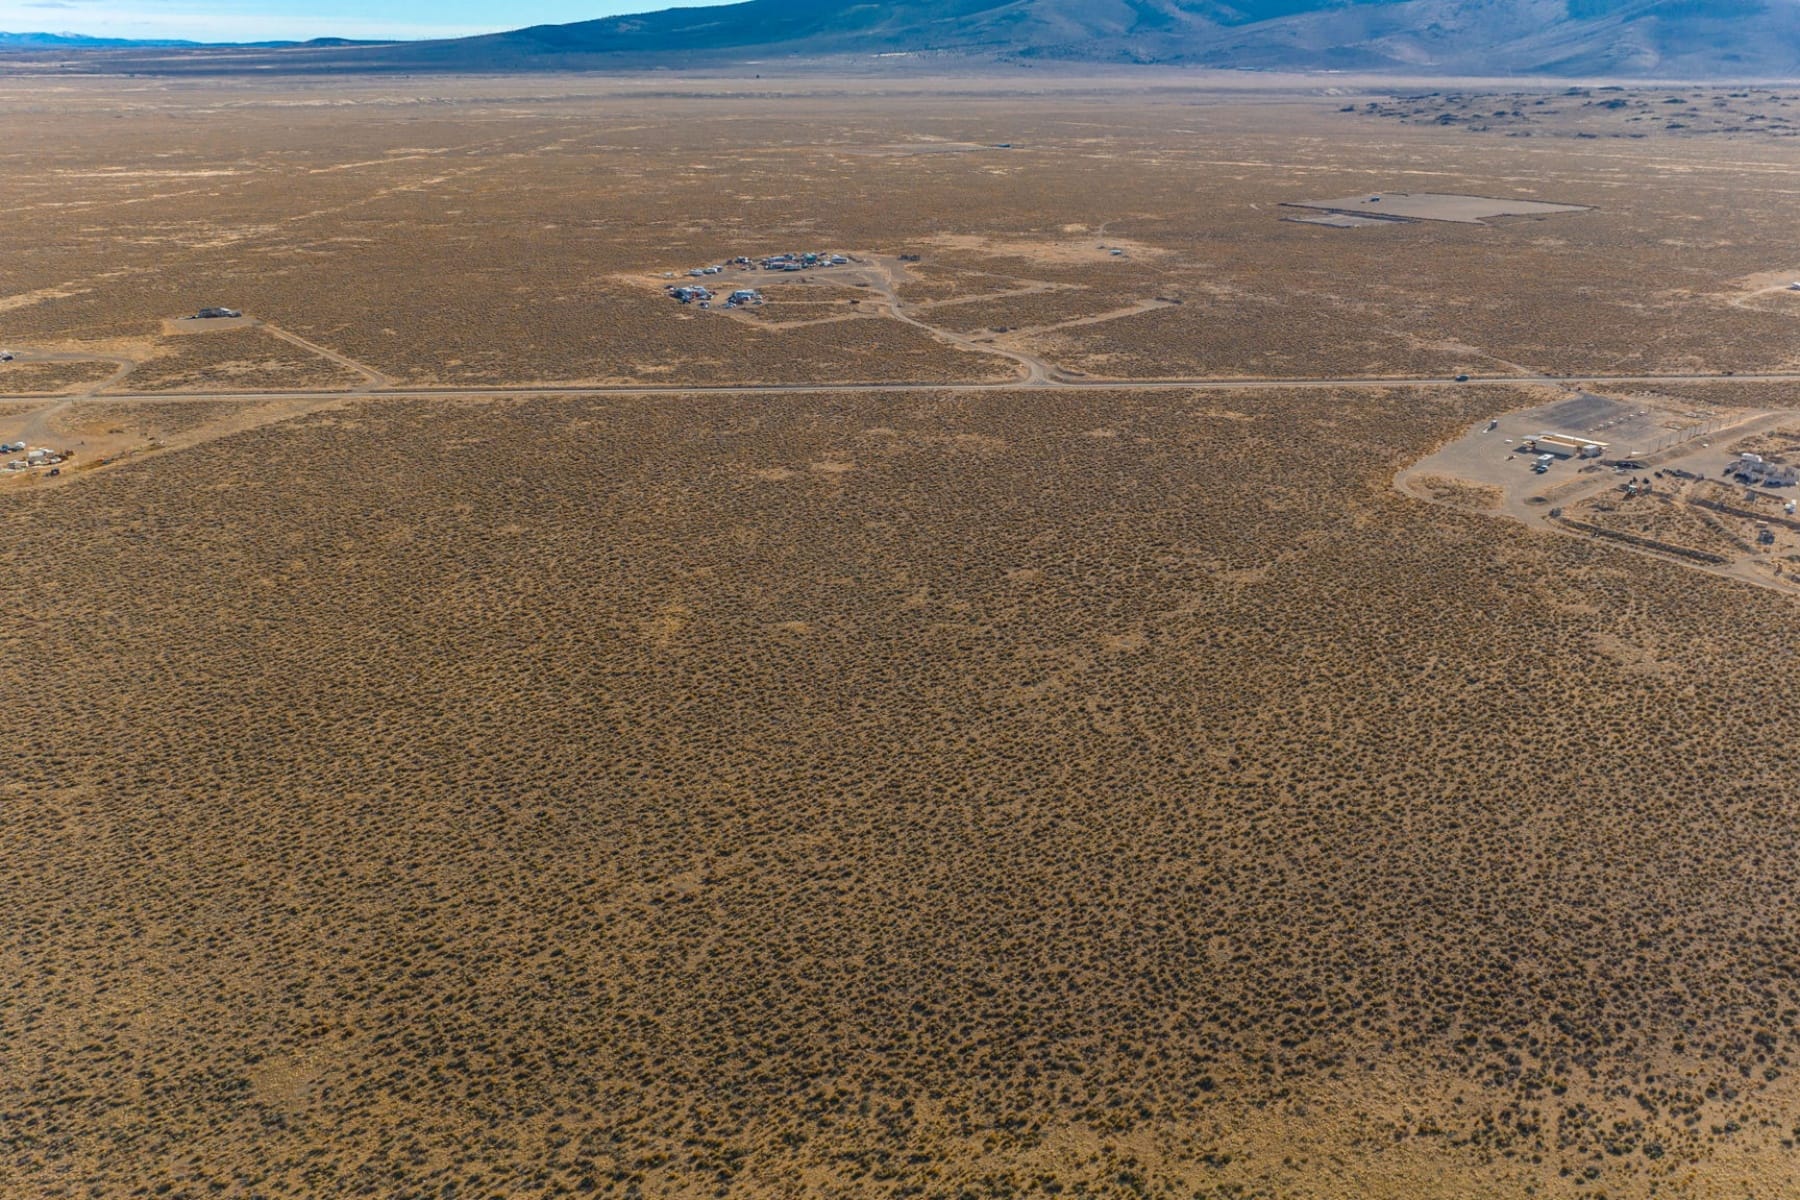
x: 1088, y: 695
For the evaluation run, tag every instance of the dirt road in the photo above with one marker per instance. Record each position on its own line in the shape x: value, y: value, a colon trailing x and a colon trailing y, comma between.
x: 375, y: 378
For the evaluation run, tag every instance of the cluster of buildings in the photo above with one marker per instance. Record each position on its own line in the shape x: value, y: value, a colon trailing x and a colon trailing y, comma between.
x: 796, y: 262
x: 1752, y: 469
x: 774, y: 262
x: 699, y: 293
x: 695, y: 294
x: 35, y: 456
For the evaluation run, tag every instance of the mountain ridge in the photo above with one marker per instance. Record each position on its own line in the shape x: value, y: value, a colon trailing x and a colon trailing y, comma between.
x: 81, y: 41
x: 1623, y: 38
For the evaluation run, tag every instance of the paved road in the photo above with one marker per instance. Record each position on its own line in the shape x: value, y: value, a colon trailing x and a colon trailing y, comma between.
x: 882, y: 276
x: 1059, y: 382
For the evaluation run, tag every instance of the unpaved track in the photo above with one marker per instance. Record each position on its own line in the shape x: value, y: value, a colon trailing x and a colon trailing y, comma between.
x: 1743, y: 301
x: 124, y: 366
x: 1031, y: 288
x: 37, y: 429
x: 375, y: 378
x: 1117, y: 314
x: 1038, y: 373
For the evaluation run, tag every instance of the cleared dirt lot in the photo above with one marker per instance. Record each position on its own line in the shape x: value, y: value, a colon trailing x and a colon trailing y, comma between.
x: 1664, y: 482
x: 1435, y: 206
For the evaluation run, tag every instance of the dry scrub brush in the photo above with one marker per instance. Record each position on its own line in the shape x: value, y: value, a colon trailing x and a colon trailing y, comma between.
x: 25, y: 378
x: 245, y: 359
x: 906, y: 794
x: 488, y: 246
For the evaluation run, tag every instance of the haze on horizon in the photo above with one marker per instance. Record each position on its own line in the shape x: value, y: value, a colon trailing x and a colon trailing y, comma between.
x: 297, y: 20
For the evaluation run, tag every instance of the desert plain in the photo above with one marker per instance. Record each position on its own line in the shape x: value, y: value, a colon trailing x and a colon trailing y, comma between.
x: 1009, y: 715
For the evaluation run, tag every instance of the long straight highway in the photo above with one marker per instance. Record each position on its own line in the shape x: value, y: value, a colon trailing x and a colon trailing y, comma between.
x: 1053, y: 382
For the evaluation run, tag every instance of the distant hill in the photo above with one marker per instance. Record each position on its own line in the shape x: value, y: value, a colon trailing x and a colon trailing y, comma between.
x: 76, y: 41
x: 1684, y: 38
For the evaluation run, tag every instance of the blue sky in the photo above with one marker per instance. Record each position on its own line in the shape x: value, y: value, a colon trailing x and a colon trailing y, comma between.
x: 257, y: 20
